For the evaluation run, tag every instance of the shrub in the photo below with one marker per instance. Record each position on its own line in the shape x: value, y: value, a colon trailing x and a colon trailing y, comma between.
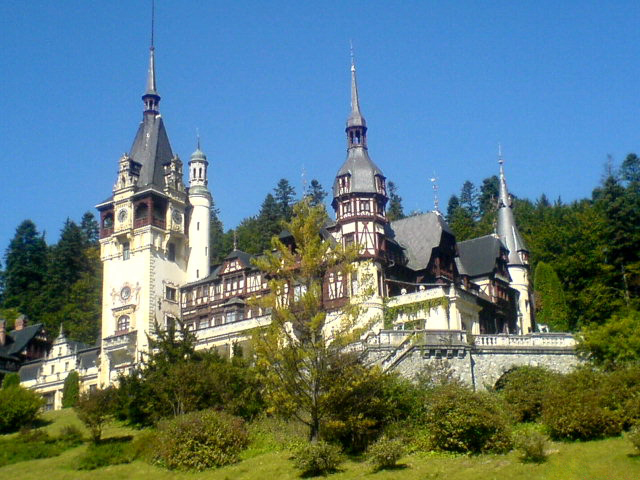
x: 143, y: 446
x: 634, y: 437
x: 114, y: 451
x: 362, y: 401
x: 70, y: 435
x: 460, y: 420
x: 200, y: 440
x: 578, y: 407
x: 385, y: 453
x: 621, y: 388
x: 317, y: 458
x: 524, y: 389
x: 94, y: 409
x: 11, y: 380
x: 532, y: 446
x: 19, y: 407
x: 71, y: 390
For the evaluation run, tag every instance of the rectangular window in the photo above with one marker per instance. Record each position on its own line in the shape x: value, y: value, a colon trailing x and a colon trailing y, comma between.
x: 172, y: 252
x: 52, y: 367
x: 170, y: 294
x: 66, y: 366
x: 198, y: 226
x: 365, y: 206
x: 126, y: 251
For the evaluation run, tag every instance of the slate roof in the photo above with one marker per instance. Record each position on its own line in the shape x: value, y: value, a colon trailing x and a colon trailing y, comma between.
x: 29, y: 371
x: 418, y: 235
x: 478, y: 255
x: 243, y: 257
x: 88, y: 358
x: 152, y: 150
x: 362, y: 170
x: 17, y: 340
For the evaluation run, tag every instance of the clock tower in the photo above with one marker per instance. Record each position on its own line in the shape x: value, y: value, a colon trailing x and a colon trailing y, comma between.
x: 143, y: 242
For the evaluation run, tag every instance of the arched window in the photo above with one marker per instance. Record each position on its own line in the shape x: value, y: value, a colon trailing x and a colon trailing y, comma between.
x: 123, y: 323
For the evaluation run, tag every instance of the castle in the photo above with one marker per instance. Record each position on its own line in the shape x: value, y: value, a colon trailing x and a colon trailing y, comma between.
x: 154, y: 244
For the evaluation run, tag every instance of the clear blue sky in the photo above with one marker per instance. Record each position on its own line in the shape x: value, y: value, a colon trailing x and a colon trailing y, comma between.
x: 267, y: 85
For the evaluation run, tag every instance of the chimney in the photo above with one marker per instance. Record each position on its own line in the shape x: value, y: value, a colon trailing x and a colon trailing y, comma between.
x: 3, y: 332
x: 21, y: 322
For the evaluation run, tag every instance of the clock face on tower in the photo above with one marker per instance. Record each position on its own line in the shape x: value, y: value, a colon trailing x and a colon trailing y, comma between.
x: 177, y: 216
x: 122, y: 215
x: 125, y: 293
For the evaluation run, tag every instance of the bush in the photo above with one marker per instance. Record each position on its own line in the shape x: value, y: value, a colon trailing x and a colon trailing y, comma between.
x: 532, y: 446
x: 94, y: 409
x: 634, y: 437
x: 114, y: 451
x: 362, y: 401
x: 621, y: 388
x: 524, y: 389
x: 460, y: 420
x: 579, y: 407
x: 71, y: 390
x: 33, y: 444
x: 11, y: 380
x: 200, y: 440
x: 317, y: 458
x: 19, y: 407
x: 70, y: 435
x: 385, y: 453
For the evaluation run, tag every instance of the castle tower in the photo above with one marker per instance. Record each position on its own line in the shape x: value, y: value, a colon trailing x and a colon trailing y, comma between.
x: 518, y: 264
x: 200, y: 200
x: 143, y: 245
x: 359, y: 189
x: 359, y: 201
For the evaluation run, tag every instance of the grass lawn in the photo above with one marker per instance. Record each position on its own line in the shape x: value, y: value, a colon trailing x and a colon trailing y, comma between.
x: 597, y: 460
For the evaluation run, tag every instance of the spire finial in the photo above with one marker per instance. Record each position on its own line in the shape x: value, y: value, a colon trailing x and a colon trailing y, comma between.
x: 355, y: 118
x: 235, y: 240
x: 436, y: 192
x: 198, y: 137
x: 353, y: 61
x: 151, y: 98
x: 153, y: 17
x: 500, y: 160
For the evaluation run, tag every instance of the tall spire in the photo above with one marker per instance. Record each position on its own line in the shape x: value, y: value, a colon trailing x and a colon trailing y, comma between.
x: 507, y: 229
x: 151, y: 98
x: 355, y: 118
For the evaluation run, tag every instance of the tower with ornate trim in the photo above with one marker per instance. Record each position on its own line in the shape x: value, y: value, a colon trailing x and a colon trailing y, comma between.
x: 359, y: 202
x: 144, y: 244
x: 518, y: 262
x: 200, y: 201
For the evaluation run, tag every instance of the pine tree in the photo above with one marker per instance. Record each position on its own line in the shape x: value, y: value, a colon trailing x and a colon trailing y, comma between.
x: 284, y: 195
x: 551, y: 307
x: 469, y: 198
x: 452, y: 205
x: 216, y: 234
x: 395, y: 210
x: 71, y: 390
x: 316, y: 193
x: 90, y: 229
x: 489, y: 192
x: 26, y: 267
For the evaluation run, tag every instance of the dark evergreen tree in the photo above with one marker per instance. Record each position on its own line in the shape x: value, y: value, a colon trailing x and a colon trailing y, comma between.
x: 489, y: 192
x: 316, y: 193
x: 89, y: 227
x: 216, y: 237
x: 395, y: 210
x: 26, y: 267
x: 462, y: 224
x: 551, y: 307
x: 469, y: 198
x: 284, y: 195
x: 71, y: 390
x: 452, y: 205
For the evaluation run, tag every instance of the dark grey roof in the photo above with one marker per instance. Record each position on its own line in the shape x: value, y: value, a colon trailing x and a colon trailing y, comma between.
x: 29, y: 371
x: 88, y: 358
x: 152, y: 150
x: 419, y: 235
x: 243, y: 257
x: 362, y: 170
x: 17, y: 340
x: 234, y: 301
x: 478, y: 256
x: 355, y: 118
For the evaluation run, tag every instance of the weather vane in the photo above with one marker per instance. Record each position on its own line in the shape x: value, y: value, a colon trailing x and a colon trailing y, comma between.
x: 436, y: 188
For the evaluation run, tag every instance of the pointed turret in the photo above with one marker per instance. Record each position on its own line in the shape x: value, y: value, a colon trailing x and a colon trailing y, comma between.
x: 507, y: 229
x: 359, y: 190
x: 200, y: 200
x: 151, y: 98
x: 358, y: 174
